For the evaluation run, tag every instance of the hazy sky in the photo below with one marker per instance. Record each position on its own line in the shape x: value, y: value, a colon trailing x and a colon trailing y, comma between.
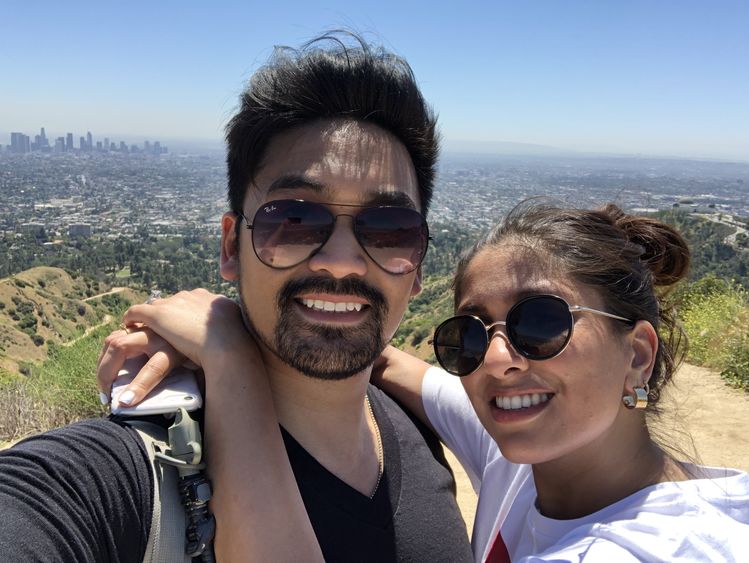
x: 665, y: 77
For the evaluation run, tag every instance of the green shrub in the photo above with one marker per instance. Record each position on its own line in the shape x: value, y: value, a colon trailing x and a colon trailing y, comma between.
x: 715, y: 316
x: 736, y: 371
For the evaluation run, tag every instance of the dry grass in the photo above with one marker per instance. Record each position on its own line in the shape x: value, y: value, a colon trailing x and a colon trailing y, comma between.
x: 26, y: 410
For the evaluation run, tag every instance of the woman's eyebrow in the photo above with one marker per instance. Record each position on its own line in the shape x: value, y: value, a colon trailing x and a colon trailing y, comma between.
x: 474, y: 309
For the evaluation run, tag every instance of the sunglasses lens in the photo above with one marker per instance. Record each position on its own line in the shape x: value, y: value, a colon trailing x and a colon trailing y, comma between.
x: 394, y: 237
x: 460, y: 344
x: 539, y: 327
x: 287, y: 232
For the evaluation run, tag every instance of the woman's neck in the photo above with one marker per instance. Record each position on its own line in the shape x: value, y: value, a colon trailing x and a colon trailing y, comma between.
x: 600, y: 474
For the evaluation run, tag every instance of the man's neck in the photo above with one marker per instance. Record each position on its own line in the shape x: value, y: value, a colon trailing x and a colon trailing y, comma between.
x: 330, y: 420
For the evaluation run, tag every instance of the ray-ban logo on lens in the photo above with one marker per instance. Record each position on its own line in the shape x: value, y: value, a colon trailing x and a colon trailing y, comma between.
x: 269, y: 208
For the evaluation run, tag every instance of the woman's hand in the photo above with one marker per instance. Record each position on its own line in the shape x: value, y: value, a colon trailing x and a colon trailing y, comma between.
x: 122, y: 345
x: 198, y: 324
x: 193, y: 328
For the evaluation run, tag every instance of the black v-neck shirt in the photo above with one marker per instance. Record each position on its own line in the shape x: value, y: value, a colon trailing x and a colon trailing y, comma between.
x: 412, y: 516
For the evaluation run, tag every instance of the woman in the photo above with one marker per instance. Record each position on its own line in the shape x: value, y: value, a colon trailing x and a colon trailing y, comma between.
x: 563, y: 344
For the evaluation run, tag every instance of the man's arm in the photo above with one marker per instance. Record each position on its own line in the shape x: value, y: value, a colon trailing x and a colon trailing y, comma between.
x: 82, y: 493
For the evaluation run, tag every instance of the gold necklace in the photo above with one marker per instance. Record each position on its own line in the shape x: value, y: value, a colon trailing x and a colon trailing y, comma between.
x: 380, y: 456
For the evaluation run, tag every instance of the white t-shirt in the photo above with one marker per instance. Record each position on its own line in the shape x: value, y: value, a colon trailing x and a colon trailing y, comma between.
x: 696, y: 520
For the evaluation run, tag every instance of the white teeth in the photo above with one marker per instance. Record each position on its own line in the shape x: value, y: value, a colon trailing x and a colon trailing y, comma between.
x: 340, y: 307
x: 520, y: 401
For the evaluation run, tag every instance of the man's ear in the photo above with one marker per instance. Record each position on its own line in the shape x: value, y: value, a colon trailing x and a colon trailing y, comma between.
x: 643, y: 340
x: 416, y: 287
x: 229, y: 247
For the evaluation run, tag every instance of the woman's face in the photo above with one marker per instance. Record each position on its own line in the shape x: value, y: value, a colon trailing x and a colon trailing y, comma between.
x: 578, y: 393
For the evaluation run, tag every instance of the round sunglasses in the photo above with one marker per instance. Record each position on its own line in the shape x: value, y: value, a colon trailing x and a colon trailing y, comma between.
x: 538, y: 328
x: 286, y: 232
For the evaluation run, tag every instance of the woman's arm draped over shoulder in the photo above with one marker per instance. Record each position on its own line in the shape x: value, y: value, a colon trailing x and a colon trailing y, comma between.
x: 401, y: 375
x: 259, y: 512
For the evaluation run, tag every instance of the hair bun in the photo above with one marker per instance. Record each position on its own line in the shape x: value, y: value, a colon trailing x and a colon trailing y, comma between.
x: 664, y: 250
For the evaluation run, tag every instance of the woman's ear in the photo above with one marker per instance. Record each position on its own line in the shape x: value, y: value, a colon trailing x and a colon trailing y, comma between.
x: 229, y: 247
x: 643, y: 340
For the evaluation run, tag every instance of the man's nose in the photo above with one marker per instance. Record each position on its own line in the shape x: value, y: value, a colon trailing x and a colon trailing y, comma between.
x: 341, y: 255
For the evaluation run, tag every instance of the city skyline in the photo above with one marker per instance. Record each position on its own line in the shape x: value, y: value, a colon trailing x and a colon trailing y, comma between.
x: 21, y: 143
x: 666, y: 78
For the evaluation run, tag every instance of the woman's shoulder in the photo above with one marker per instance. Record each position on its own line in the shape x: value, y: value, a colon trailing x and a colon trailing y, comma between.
x: 706, y: 518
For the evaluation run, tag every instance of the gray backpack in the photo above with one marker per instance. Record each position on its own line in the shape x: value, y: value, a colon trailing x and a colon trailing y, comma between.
x: 181, y: 526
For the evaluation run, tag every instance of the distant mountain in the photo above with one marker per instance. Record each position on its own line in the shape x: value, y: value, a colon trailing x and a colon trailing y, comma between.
x: 454, y: 147
x: 503, y: 148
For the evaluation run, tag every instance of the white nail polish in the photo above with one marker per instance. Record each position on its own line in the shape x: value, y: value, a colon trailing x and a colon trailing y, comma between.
x: 104, y: 398
x: 127, y: 397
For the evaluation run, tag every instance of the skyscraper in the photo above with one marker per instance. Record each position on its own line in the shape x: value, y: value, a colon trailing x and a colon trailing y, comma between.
x: 89, y: 141
x: 19, y: 143
x: 69, y: 142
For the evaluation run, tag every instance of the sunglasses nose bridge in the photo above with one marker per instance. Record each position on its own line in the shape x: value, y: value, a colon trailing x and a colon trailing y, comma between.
x: 341, y: 254
x: 500, y: 352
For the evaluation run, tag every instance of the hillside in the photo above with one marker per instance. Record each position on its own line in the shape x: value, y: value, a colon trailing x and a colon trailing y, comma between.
x: 44, y: 307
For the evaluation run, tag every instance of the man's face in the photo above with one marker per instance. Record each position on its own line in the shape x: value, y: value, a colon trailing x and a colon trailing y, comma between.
x: 331, y: 315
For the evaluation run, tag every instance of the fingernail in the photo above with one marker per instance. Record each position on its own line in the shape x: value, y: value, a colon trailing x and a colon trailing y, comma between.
x: 127, y: 397
x: 104, y: 398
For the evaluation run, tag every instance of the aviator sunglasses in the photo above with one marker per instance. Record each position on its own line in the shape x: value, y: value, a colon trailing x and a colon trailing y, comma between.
x: 286, y: 232
x: 538, y: 328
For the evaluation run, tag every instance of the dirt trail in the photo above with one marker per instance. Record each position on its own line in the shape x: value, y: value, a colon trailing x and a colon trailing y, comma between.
x: 697, y: 404
x: 110, y: 292
x: 105, y: 321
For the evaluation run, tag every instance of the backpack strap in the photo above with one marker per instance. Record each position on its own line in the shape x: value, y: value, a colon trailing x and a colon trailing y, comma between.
x: 166, y: 539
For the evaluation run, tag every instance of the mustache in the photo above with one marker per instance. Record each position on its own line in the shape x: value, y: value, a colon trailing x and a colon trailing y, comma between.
x: 344, y: 286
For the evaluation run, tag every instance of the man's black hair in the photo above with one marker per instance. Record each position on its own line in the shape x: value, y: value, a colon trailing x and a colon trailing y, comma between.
x: 329, y: 78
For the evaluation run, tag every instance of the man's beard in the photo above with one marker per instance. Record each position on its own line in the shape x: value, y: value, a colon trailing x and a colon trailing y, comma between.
x: 320, y: 351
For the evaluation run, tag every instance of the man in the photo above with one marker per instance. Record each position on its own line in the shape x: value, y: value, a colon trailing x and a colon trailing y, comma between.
x: 331, y: 161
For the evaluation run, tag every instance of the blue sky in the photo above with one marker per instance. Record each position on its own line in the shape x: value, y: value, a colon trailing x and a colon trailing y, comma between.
x: 652, y: 77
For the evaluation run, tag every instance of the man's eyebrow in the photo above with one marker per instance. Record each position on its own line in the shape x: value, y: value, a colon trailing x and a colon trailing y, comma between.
x: 396, y: 199
x: 295, y: 181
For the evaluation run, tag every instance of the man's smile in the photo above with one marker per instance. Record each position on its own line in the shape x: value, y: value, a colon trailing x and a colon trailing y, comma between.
x: 319, y: 304
x: 332, y: 308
